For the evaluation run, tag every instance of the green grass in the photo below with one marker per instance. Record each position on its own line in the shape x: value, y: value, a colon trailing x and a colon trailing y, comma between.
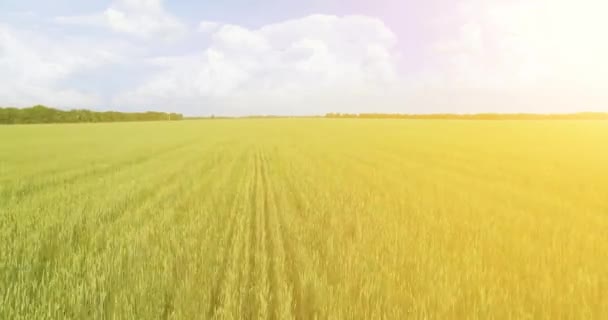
x: 304, y: 218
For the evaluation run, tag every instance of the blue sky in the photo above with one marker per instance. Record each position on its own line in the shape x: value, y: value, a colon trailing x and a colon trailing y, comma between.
x: 301, y: 57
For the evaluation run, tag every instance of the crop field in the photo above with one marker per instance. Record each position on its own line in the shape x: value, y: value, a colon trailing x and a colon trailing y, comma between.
x: 305, y: 218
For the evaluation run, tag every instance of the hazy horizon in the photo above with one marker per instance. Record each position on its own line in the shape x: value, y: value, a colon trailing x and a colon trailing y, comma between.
x: 237, y: 58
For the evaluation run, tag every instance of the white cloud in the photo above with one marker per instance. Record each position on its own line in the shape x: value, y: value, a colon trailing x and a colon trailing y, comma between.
x: 540, y: 56
x: 208, y: 26
x: 315, y: 64
x: 34, y: 66
x: 92, y: 20
x: 141, y: 18
x: 487, y: 56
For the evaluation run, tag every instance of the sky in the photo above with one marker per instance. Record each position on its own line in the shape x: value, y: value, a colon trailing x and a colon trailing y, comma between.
x: 238, y: 57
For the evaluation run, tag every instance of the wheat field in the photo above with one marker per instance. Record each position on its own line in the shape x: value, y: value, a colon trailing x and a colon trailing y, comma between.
x: 304, y: 219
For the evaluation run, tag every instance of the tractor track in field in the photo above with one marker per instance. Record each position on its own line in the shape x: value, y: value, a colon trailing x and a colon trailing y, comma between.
x: 291, y: 259
x: 228, y: 251
x: 286, y: 246
x: 265, y: 236
x: 252, y: 248
x: 269, y: 244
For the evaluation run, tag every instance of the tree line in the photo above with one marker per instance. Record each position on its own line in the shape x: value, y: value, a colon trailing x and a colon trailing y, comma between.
x: 42, y: 114
x: 479, y: 116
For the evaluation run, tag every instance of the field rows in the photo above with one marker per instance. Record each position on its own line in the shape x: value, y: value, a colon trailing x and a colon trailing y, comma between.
x: 307, y: 218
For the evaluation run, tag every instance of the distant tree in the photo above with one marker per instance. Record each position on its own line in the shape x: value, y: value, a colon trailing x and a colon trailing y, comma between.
x: 42, y: 114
